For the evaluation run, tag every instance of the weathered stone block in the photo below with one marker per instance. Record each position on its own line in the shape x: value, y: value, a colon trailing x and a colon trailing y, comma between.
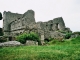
x: 10, y: 43
x: 29, y: 42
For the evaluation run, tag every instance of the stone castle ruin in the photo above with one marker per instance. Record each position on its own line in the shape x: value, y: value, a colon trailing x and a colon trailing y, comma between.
x: 15, y: 24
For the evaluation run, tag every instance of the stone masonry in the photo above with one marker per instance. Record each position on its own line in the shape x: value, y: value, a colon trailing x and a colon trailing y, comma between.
x: 15, y: 24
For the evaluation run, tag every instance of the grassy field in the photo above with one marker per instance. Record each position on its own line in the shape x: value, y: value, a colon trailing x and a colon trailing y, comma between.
x: 68, y: 50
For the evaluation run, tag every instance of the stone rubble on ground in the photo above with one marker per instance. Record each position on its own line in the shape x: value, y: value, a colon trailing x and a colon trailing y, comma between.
x: 10, y: 43
x: 29, y: 42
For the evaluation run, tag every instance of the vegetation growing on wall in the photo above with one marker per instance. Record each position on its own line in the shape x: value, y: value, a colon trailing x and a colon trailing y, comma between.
x: 27, y: 36
x: 2, y: 39
x: 68, y: 35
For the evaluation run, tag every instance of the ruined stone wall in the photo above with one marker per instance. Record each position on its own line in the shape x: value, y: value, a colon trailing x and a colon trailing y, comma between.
x: 58, y: 24
x: 8, y: 17
x: 52, y: 25
x: 17, y: 22
x: 29, y: 16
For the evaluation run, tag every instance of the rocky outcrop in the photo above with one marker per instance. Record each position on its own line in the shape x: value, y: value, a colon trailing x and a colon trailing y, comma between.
x: 10, y: 43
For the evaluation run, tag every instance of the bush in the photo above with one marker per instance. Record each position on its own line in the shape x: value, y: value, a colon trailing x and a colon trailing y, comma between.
x: 76, y: 40
x: 3, y: 39
x: 22, y: 38
x: 68, y: 35
x: 27, y: 36
x: 76, y: 33
x: 1, y: 32
x: 32, y: 36
x: 54, y: 41
x: 50, y: 39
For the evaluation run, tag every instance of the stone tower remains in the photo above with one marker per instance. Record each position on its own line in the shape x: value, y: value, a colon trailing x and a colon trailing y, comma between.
x: 15, y: 24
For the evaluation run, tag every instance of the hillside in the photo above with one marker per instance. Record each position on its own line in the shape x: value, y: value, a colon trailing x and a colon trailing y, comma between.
x: 67, y: 50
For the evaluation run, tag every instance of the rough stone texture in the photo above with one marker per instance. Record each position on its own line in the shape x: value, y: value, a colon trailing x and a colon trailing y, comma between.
x: 75, y: 35
x: 15, y: 24
x: 10, y: 43
x: 57, y: 35
x: 49, y: 28
x: 29, y: 42
x: 59, y: 24
x: 42, y: 39
x: 68, y: 30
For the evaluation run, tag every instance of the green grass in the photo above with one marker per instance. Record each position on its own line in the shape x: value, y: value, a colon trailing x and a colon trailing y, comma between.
x: 68, y: 50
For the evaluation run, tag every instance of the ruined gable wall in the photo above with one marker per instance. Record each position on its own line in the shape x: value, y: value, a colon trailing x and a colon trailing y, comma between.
x: 59, y: 24
x: 29, y: 16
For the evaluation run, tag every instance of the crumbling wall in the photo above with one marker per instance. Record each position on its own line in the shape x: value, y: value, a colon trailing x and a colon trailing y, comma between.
x: 8, y: 17
x: 59, y: 24
x: 15, y: 24
x: 49, y: 28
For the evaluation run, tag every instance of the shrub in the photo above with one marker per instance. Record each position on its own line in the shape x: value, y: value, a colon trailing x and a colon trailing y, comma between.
x: 76, y: 33
x: 1, y: 32
x: 50, y: 39
x: 32, y: 36
x: 22, y: 38
x: 54, y: 41
x: 3, y: 39
x: 27, y: 36
x: 76, y: 40
x: 68, y: 35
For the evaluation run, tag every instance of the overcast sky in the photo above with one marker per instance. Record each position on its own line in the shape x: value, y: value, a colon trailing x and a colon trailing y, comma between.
x: 46, y: 10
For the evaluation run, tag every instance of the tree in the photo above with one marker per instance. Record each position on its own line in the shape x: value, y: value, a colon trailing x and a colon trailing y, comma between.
x: 1, y: 32
x: 0, y: 16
